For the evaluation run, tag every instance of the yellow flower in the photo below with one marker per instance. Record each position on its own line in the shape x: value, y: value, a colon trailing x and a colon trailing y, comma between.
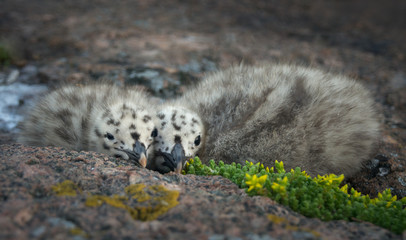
x: 393, y: 199
x: 330, y: 179
x: 355, y: 193
x: 277, y: 163
x: 304, y: 173
x: 344, y: 189
x: 278, y: 187
x: 285, y: 180
x: 255, y: 182
x: 279, y: 167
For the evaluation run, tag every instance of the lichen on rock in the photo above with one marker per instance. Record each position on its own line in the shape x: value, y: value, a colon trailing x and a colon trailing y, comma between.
x: 281, y: 220
x: 143, y: 203
x: 66, y: 188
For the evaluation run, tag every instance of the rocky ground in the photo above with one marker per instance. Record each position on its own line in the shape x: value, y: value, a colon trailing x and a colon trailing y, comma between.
x: 207, y: 207
x: 166, y: 46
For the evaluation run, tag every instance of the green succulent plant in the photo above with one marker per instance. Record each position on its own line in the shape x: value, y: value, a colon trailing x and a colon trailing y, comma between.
x: 323, y: 197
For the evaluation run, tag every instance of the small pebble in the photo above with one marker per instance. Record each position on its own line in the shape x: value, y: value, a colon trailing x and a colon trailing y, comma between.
x: 38, y: 231
x: 383, y: 171
x: 303, y: 235
x: 259, y: 237
x: 402, y: 181
x: 61, y: 222
x: 373, y: 163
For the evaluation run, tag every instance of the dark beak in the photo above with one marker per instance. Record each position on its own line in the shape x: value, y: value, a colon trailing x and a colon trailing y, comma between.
x: 178, y: 155
x: 173, y: 161
x: 139, y: 154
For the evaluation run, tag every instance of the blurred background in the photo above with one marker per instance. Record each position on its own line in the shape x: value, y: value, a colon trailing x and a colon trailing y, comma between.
x: 169, y: 45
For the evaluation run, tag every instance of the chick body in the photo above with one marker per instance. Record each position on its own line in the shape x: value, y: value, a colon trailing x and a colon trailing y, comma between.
x: 305, y: 117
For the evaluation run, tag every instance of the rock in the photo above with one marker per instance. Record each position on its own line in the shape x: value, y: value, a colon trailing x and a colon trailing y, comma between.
x: 12, y: 77
x: 28, y: 74
x: 198, y: 67
x: 205, y: 207
x: 161, y: 82
x: 383, y: 171
x: 402, y: 181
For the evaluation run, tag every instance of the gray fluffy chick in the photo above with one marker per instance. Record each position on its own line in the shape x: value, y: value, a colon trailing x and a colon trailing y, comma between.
x: 102, y: 118
x: 305, y: 117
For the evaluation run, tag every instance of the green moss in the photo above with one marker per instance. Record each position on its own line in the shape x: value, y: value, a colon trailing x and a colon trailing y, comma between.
x: 66, y: 188
x: 143, y: 203
x: 5, y: 56
x: 322, y: 196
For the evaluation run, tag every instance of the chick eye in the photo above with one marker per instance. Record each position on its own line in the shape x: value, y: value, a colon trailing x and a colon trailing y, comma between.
x: 197, y: 140
x: 154, y: 132
x: 109, y: 136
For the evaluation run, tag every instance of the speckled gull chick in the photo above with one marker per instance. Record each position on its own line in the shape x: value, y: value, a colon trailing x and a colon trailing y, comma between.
x: 305, y: 117
x: 179, y: 134
x: 102, y: 118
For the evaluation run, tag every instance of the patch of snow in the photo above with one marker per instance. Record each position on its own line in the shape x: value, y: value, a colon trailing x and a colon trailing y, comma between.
x: 13, y: 99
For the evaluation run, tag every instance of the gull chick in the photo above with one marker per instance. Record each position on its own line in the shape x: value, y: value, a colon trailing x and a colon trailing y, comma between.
x: 305, y: 117
x: 102, y: 118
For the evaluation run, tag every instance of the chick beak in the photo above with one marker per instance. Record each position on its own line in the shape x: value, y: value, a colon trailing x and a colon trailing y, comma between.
x: 139, y: 150
x: 178, y: 155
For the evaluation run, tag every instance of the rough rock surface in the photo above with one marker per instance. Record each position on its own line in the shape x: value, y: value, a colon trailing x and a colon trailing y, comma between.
x: 209, y: 207
x: 167, y: 45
